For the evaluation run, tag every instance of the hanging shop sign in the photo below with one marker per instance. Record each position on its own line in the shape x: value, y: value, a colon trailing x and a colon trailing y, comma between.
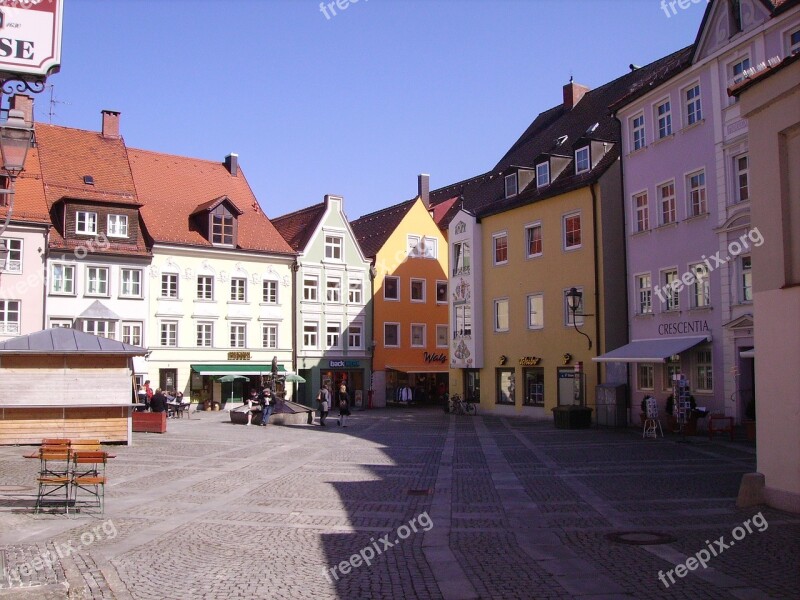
x: 30, y: 38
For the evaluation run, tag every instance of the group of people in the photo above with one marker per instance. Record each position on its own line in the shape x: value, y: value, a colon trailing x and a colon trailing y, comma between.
x: 325, y: 397
x: 265, y: 400
x: 158, y: 401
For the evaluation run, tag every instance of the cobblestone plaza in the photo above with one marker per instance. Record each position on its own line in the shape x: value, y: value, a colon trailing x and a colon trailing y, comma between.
x: 441, y: 506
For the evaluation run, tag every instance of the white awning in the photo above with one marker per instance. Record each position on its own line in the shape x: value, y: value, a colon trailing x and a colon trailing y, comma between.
x: 651, y: 351
x: 748, y: 353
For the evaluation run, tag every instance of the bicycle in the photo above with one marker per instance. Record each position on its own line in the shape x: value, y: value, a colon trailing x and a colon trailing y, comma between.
x: 460, y: 407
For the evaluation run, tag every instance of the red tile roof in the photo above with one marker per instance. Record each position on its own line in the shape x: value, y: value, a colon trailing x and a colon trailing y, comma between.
x: 297, y: 227
x: 29, y: 199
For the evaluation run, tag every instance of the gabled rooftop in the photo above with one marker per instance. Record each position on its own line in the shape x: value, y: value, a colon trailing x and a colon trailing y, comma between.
x: 372, y: 230
x: 298, y: 226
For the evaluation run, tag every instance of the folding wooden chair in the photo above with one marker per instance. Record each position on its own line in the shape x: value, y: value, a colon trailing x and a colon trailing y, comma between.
x: 85, y: 445
x: 54, y: 476
x: 89, y: 478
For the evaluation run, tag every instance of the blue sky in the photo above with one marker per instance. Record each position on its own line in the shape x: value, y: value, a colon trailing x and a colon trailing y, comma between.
x: 355, y: 104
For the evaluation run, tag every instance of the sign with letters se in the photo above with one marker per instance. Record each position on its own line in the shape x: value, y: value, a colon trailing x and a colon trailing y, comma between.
x: 30, y: 38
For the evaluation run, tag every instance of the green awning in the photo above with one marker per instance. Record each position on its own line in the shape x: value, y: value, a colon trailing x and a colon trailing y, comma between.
x: 242, y: 368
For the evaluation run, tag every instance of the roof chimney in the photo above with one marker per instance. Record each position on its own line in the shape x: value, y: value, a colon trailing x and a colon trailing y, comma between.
x: 110, y: 123
x: 25, y: 104
x: 424, y: 189
x: 232, y: 164
x: 573, y: 92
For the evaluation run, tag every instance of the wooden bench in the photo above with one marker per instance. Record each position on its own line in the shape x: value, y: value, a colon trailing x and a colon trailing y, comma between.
x: 144, y: 422
x: 720, y: 424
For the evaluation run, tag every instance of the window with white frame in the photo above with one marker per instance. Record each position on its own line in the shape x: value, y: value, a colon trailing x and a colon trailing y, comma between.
x: 666, y: 201
x: 417, y: 290
x: 63, y: 279
x: 533, y: 240
x: 582, y: 163
x: 644, y: 294
x: 417, y: 335
x: 97, y: 281
x: 205, y: 335
x: 9, y: 316
x: 86, y: 222
x: 463, y: 320
x: 169, y: 285
x: 222, y: 226
x: 64, y: 323
x: 500, y: 245
x: 169, y: 334
x: 130, y: 283
x: 737, y: 69
x: 644, y: 376
x: 501, y: 314
x: 641, y: 212
x: 310, y: 335
x: 269, y: 335
x: 100, y: 327
x: 704, y: 375
x: 741, y: 169
x: 355, y: 336
x: 694, y: 104
x: 333, y: 335
x: 269, y: 291
x: 511, y: 185
x: 669, y: 277
x: 441, y: 292
x: 391, y: 288
x: 422, y: 247
x: 391, y: 335
x: 536, y: 311
x: 461, y: 258
x: 334, y: 247
x: 14, y: 259
x: 572, y: 231
x: 238, y: 335
x: 696, y: 184
x: 117, y: 225
x: 638, y: 132
x: 569, y: 319
x: 355, y: 290
x: 542, y: 174
x: 664, y: 119
x: 132, y: 333
x: 671, y: 370
x: 238, y: 289
x: 205, y: 287
x: 310, y: 288
x: 793, y: 42
x: 333, y: 289
x: 746, y: 279
x: 441, y: 336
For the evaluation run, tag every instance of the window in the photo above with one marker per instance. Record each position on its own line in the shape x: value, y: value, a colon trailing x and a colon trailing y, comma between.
x: 536, y: 311
x: 130, y: 283
x: 794, y: 42
x: 222, y: 226
x: 700, y: 288
x: 269, y: 336
x: 63, y: 279
x: 505, y: 386
x: 664, y: 119
x: 391, y: 288
x: 269, y: 292
x: 333, y: 289
x: 569, y: 320
x: 441, y: 336
x: 741, y: 168
x: 9, y: 316
x: 637, y: 127
x: 441, y: 292
x: 205, y: 287
x: 672, y: 370
x: 14, y: 260
x: 418, y: 290
x: 310, y: 288
x: 333, y: 333
x: 542, y: 174
x: 463, y: 320
x: 417, y: 335
x: 238, y: 335
x: 533, y: 240
x: 238, y: 289
x: 96, y: 281
x: 534, y: 386
x: 666, y: 200
x: 673, y: 301
x: 333, y: 247
x: 169, y: 334
x: 310, y: 335
x: 644, y: 376
x: 100, y: 327
x: 641, y: 212
x: 697, y: 193
x: 169, y: 285
x: 738, y: 69
x: 694, y: 105
x: 511, y: 185
x: 644, y: 293
x: 461, y: 258
x: 391, y: 335
x: 65, y: 323
x: 355, y: 336
x: 704, y: 379
x: 132, y: 333
x: 422, y: 247
x: 572, y: 232
x: 501, y: 314
x: 117, y: 225
x: 85, y: 222
x: 582, y: 163
x: 500, y: 242
x: 205, y: 335
x: 355, y: 292
x: 746, y: 279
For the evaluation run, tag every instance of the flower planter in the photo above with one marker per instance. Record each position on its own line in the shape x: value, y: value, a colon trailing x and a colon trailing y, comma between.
x: 149, y: 422
x: 572, y: 417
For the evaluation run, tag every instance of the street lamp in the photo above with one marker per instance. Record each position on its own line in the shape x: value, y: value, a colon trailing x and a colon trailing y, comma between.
x: 16, y: 137
x: 574, y: 298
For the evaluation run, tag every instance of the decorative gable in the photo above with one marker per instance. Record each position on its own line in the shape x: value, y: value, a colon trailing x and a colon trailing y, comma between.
x: 725, y: 19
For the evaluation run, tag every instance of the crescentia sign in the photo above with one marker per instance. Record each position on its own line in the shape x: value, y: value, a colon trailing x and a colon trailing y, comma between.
x: 30, y: 38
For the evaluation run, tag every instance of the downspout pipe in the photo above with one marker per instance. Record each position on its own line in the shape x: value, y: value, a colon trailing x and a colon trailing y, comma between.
x: 598, y: 348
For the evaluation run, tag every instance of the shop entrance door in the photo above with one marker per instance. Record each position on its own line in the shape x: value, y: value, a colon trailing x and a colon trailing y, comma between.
x: 167, y: 379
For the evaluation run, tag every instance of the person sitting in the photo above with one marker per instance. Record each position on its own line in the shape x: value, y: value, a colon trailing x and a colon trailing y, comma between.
x: 158, y: 403
x: 253, y: 399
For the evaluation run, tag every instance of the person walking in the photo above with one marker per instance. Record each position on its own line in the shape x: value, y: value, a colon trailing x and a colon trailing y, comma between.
x: 324, y: 399
x: 344, y: 405
x: 267, y: 404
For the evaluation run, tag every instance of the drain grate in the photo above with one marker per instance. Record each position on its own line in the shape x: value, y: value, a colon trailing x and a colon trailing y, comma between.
x: 425, y: 492
x: 641, y: 538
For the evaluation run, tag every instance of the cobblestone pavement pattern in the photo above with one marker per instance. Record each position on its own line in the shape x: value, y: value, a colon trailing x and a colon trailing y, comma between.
x: 515, y: 509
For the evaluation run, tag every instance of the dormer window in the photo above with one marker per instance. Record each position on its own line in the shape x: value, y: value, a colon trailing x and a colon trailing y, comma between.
x: 222, y: 226
x: 216, y: 220
x: 582, y: 163
x: 542, y: 174
x: 511, y: 185
x: 86, y: 222
x: 117, y: 226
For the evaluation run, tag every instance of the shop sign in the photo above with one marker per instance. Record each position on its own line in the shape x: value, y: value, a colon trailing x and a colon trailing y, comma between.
x: 439, y: 357
x: 238, y: 356
x: 682, y: 327
x: 529, y: 361
x: 30, y: 38
x: 344, y: 364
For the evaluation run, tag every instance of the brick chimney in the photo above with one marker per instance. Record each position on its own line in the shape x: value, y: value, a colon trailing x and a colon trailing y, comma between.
x: 232, y: 164
x: 25, y: 104
x: 573, y: 92
x: 110, y: 123
x: 424, y: 189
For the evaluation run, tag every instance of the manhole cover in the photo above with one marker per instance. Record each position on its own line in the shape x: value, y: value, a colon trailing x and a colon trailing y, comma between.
x: 14, y: 488
x: 641, y: 538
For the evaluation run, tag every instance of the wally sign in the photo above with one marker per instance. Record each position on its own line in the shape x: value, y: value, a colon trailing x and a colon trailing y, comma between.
x: 30, y: 38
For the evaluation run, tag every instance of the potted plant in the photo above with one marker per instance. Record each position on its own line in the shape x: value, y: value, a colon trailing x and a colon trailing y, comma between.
x: 750, y: 420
